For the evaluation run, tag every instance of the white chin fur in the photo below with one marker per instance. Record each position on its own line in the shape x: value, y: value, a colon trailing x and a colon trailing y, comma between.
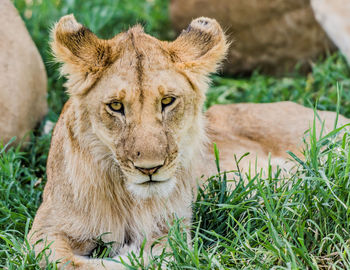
x: 159, y: 189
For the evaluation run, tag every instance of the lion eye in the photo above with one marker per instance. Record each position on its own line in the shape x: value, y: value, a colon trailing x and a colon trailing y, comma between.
x: 116, y: 107
x: 167, y: 101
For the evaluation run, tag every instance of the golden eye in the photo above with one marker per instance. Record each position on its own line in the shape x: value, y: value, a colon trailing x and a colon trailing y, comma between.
x: 116, y: 106
x: 167, y: 101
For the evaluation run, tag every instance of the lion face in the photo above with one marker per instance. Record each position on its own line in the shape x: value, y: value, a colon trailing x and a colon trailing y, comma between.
x: 144, y: 126
x: 141, y: 98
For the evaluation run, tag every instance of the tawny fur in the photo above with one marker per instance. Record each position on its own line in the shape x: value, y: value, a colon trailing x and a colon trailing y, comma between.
x: 94, y: 186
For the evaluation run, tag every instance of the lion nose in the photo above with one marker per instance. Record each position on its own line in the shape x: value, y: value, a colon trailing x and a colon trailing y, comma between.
x: 148, y: 171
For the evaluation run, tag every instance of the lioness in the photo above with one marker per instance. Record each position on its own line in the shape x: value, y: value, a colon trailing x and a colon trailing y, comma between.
x: 131, y: 141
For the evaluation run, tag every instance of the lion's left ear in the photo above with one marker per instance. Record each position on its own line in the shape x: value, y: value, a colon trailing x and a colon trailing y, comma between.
x: 201, y: 47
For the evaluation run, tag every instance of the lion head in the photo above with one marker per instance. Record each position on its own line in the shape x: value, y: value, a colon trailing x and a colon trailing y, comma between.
x: 138, y: 100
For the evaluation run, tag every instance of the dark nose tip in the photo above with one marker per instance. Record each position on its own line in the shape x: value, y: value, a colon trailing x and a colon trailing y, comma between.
x: 148, y: 171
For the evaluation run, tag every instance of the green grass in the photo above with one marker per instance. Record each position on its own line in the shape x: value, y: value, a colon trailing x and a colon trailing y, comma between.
x: 300, y: 222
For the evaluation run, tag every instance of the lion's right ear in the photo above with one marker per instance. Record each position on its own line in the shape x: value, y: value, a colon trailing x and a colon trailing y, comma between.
x: 83, y: 54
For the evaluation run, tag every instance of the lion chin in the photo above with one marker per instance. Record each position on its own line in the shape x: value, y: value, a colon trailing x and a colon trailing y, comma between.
x: 144, y: 189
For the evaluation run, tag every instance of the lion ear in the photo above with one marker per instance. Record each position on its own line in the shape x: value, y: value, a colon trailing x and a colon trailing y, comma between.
x: 201, y: 47
x: 84, y: 56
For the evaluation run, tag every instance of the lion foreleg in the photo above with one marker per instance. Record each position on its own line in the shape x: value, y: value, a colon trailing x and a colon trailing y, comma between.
x: 61, y: 251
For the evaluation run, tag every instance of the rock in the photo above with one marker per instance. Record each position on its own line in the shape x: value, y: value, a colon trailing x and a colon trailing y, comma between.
x: 272, y: 35
x: 23, y: 80
x: 334, y: 17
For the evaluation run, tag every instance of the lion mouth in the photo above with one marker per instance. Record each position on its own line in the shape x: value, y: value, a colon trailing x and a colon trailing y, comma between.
x: 147, y: 188
x: 153, y: 182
